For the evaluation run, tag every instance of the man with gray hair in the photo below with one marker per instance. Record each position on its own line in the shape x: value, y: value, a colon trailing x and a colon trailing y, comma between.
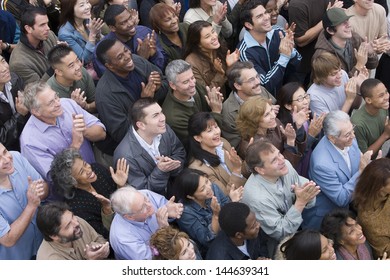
x: 55, y: 124
x: 245, y: 82
x: 186, y: 98
x: 335, y: 165
x: 139, y: 213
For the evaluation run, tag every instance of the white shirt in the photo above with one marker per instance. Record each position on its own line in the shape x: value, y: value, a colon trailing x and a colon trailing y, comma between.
x: 152, y: 149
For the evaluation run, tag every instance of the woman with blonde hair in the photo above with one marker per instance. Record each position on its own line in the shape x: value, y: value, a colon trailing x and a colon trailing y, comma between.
x: 256, y: 119
x: 168, y: 243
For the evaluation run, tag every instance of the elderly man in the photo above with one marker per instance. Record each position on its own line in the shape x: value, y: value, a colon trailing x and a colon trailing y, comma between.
x: 138, y: 215
x: 335, y: 165
x: 245, y: 82
x: 154, y: 153
x: 187, y: 98
x: 21, y: 192
x: 276, y: 193
x: 68, y: 237
x: 56, y: 124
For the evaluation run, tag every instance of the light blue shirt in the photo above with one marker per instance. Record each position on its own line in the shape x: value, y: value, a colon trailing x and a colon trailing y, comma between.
x: 12, y: 204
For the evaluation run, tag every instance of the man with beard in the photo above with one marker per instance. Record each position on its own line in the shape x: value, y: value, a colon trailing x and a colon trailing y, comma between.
x: 372, y: 127
x: 276, y: 193
x: 71, y: 79
x: 335, y: 165
x: 140, y: 40
x: 68, y: 237
x: 28, y: 59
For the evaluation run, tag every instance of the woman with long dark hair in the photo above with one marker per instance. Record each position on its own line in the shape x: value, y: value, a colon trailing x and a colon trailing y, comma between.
x: 212, y: 154
x: 209, y: 57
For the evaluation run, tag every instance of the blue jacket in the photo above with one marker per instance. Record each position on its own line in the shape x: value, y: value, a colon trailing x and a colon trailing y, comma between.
x: 330, y: 171
x: 83, y: 49
x: 273, y: 67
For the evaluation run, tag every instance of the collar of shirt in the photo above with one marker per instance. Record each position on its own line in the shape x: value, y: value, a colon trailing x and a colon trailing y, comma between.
x: 239, y: 99
x: 6, y: 96
x: 151, y: 149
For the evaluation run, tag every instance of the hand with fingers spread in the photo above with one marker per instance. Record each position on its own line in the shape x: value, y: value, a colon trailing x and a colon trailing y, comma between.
x: 290, y: 134
x: 149, y: 89
x: 97, y: 251
x: 286, y: 43
x: 214, y: 99
x: 122, y: 172
x: 336, y: 4
x: 235, y: 160
x: 315, y: 126
x: 177, y: 7
x: 166, y: 164
x: 162, y: 217
x: 362, y: 76
x: 134, y: 16
x: 19, y: 104
x: 300, y: 117
x: 78, y: 96
x: 232, y: 58
x: 220, y: 14
x: 94, y: 26
x: 290, y: 28
x: 175, y: 210
x: 236, y: 194
x: 78, y: 130
x: 361, y: 55
x: 147, y: 47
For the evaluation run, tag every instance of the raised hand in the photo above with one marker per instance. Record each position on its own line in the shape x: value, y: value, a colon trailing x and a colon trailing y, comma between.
x: 286, y: 43
x: 35, y: 191
x: 315, y: 126
x: 78, y: 130
x: 214, y: 99
x: 215, y: 207
x: 235, y: 160
x: 300, y: 117
x: 94, y: 26
x: 305, y: 193
x: 336, y: 4
x: 361, y: 55
x: 218, y: 65
x: 351, y: 89
x: 19, y: 104
x: 175, y: 210
x: 235, y: 194
x: 149, y: 89
x: 147, y: 47
x: 105, y: 202
x: 78, y: 96
x: 232, y: 58
x: 365, y: 159
x: 122, y: 172
x: 220, y: 14
x: 290, y: 134
x: 162, y: 217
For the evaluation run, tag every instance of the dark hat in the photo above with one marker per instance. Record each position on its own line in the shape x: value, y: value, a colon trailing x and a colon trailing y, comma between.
x: 334, y: 17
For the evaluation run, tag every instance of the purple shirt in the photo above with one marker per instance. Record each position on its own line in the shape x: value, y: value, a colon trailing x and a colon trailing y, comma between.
x: 40, y: 142
x: 130, y: 239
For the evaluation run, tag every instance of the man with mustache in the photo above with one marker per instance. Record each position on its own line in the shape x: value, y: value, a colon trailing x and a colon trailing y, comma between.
x: 68, y: 237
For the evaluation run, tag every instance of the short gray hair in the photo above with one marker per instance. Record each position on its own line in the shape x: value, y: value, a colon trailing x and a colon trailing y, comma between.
x: 332, y: 121
x: 123, y: 199
x: 176, y: 67
x: 30, y: 94
x: 61, y: 172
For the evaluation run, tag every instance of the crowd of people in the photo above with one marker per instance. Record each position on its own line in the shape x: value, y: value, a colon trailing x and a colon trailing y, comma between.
x: 194, y: 129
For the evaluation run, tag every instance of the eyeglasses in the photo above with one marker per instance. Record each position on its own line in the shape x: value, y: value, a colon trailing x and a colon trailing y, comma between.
x: 300, y: 99
x: 350, y: 133
x: 252, y: 80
